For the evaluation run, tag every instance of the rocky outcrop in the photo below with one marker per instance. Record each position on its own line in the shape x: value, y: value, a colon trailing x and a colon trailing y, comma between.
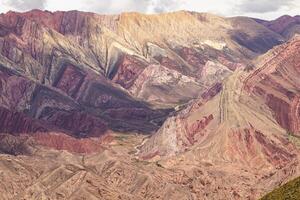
x: 60, y: 141
x: 274, y: 85
x: 15, y: 90
x: 198, y: 127
x: 69, y: 80
x: 160, y: 85
x: 277, y: 84
x: 194, y: 58
x: 16, y: 122
x: 127, y: 70
x: 211, y: 92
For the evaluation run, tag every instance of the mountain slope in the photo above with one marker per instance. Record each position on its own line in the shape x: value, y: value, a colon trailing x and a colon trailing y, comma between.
x: 244, y: 127
x: 286, y: 25
x: 274, y: 80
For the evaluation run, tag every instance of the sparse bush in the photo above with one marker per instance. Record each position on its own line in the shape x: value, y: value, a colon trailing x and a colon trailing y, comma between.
x: 159, y: 165
x: 289, y: 191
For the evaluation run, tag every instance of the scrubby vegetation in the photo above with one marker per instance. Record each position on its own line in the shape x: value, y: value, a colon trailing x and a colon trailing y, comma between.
x: 289, y: 191
x: 294, y: 139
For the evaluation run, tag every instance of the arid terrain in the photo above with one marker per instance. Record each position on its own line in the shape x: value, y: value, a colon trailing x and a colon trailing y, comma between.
x: 179, y: 105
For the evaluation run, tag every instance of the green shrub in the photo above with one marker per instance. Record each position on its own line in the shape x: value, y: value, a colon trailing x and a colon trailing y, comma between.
x: 289, y: 191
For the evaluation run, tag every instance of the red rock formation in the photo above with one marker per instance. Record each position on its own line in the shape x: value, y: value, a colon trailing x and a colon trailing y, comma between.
x: 229, y: 64
x: 275, y: 155
x: 128, y: 69
x: 60, y: 141
x: 14, y: 90
x: 15, y: 122
x: 70, y: 80
x: 197, y: 128
x: 80, y: 124
x: 287, y: 114
x: 276, y: 82
x: 213, y: 91
x: 295, y: 115
x: 194, y: 58
x: 281, y: 110
x: 171, y: 64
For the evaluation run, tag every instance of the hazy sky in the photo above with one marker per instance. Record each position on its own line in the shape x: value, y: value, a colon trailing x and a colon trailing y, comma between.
x: 266, y: 9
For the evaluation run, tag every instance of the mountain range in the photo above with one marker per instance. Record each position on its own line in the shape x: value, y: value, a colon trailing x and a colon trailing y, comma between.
x: 179, y: 105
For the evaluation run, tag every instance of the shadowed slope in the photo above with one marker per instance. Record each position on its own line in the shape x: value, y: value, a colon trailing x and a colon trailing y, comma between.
x: 286, y: 25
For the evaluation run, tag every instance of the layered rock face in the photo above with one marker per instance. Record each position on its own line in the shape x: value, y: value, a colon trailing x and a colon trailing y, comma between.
x: 36, y: 107
x: 277, y: 83
x: 274, y: 85
x: 61, y: 141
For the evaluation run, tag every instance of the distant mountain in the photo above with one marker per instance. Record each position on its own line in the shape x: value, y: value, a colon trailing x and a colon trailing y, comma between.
x: 286, y: 25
